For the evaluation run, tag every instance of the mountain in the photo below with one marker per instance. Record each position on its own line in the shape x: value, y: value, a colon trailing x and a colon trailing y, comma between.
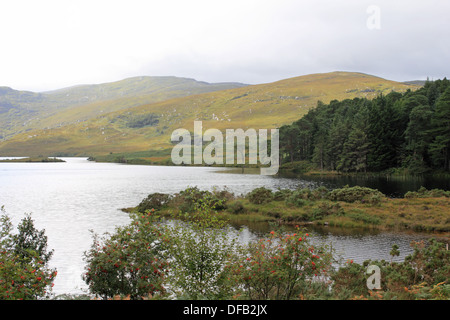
x: 22, y: 111
x: 148, y: 126
x: 415, y: 82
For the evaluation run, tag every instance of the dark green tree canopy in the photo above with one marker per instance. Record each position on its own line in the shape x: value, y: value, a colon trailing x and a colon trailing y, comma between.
x: 398, y: 130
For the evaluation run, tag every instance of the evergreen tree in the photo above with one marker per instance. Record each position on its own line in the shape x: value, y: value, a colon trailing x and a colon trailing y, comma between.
x: 418, y: 138
x: 440, y: 147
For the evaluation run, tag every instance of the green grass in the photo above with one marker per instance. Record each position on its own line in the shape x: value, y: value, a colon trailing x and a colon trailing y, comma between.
x: 23, y: 111
x: 426, y: 214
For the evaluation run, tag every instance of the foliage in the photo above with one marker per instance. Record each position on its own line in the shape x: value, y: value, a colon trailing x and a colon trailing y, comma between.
x: 199, y: 250
x: 129, y: 262
x: 424, y: 193
x: 281, y: 266
x: 326, y: 208
x: 282, y: 194
x: 357, y: 193
x: 424, y: 274
x: 197, y: 256
x: 186, y: 200
x: 24, y: 270
x: 154, y: 201
x: 236, y: 207
x: 260, y: 195
x: 409, y: 130
x: 349, y: 280
x: 300, y: 196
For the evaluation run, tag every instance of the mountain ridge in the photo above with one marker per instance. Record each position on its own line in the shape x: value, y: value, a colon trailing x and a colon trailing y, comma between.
x: 19, y: 110
x: 148, y: 126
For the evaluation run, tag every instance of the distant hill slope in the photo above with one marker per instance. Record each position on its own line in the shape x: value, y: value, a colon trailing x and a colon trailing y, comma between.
x: 22, y: 111
x: 149, y: 126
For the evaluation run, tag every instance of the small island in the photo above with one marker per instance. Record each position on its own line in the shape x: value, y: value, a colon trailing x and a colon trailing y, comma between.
x: 423, y: 211
x: 33, y: 159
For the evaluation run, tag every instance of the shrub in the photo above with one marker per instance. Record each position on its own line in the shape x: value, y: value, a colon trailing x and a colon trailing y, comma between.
x: 199, y: 250
x: 236, y: 207
x: 304, y: 193
x: 319, y: 193
x: 353, y: 194
x: 186, y: 199
x: 223, y: 195
x: 154, y: 201
x: 297, y: 202
x: 24, y: 271
x: 298, y: 197
x: 260, y: 195
x: 424, y: 193
x: 281, y: 266
x: 282, y: 195
x: 310, y: 194
x: 349, y: 281
x: 129, y: 262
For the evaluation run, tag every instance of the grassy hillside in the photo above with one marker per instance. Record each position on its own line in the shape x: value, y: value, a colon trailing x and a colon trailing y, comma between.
x: 149, y: 126
x: 22, y: 111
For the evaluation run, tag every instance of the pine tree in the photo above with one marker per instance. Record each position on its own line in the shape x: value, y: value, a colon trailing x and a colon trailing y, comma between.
x: 418, y: 138
x: 440, y: 147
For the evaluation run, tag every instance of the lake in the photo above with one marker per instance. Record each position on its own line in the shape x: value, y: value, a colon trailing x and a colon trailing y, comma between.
x: 390, y: 185
x: 70, y: 198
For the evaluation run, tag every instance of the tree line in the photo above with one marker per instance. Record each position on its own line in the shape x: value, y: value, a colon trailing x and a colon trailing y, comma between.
x: 409, y: 130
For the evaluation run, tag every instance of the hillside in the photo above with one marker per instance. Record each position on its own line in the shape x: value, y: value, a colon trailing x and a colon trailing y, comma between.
x: 149, y: 126
x: 22, y: 111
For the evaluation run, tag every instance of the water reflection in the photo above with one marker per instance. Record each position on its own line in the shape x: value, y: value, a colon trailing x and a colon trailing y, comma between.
x: 393, y: 186
x: 359, y: 244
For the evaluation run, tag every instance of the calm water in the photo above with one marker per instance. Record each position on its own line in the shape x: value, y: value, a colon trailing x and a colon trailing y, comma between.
x: 392, y: 186
x: 69, y: 199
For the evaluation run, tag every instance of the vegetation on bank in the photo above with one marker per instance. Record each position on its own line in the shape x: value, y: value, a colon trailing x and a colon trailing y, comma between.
x: 34, y: 159
x: 24, y: 261
x: 399, y: 131
x: 151, y: 157
x: 349, y: 207
x: 195, y: 258
x: 395, y: 133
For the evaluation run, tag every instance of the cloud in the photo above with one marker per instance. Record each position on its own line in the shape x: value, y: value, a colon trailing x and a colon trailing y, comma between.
x: 51, y: 44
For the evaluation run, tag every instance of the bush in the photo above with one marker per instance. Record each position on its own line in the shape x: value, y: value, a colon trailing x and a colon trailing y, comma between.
x: 281, y: 267
x: 349, y: 281
x: 198, y: 250
x: 353, y: 194
x: 282, y: 195
x: 325, y: 209
x: 223, y: 195
x: 260, y: 195
x: 319, y: 193
x: 236, y: 207
x: 154, y: 201
x: 295, y: 200
x: 188, y: 198
x: 129, y: 262
x: 24, y: 271
x: 424, y: 193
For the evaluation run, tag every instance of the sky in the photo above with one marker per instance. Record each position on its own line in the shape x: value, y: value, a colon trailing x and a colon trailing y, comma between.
x: 47, y: 45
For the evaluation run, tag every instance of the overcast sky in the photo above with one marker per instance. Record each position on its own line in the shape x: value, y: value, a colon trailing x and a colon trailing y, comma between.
x: 46, y: 45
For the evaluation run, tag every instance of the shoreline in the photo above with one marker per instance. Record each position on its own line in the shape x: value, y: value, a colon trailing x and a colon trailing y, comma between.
x: 32, y: 159
x: 420, y: 214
